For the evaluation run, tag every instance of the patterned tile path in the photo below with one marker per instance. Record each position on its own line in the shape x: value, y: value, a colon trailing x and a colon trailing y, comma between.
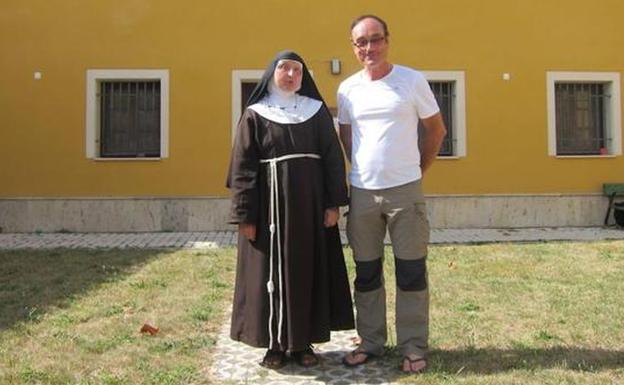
x: 236, y: 363
x: 213, y: 239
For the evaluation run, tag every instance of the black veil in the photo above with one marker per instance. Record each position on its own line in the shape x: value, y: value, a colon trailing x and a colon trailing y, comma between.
x: 308, y: 88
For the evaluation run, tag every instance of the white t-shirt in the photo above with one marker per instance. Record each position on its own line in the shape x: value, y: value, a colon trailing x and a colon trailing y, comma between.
x: 384, y: 115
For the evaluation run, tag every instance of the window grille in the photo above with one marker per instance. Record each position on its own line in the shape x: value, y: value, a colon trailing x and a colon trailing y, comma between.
x: 580, y: 113
x: 130, y: 119
x: 444, y: 94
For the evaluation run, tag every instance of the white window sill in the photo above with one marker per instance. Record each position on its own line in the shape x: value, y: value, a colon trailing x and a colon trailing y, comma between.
x: 609, y: 156
x: 450, y: 157
x: 127, y: 159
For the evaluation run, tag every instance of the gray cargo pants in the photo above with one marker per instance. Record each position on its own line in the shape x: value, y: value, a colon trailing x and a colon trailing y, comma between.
x: 403, y: 212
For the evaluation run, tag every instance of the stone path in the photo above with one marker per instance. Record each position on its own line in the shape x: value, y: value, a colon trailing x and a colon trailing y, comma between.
x: 214, y: 239
x: 236, y: 363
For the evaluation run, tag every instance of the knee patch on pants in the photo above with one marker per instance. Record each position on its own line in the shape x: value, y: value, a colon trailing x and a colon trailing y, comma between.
x: 368, y: 275
x: 411, y: 275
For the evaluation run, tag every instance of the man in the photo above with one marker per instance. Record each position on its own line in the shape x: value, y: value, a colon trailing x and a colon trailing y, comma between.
x: 379, y: 109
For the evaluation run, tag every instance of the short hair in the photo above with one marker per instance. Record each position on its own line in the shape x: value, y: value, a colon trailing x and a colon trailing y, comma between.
x: 374, y: 17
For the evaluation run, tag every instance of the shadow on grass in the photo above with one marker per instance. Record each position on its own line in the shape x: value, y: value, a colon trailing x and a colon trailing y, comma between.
x: 448, y: 364
x: 31, y: 282
x: 491, y: 361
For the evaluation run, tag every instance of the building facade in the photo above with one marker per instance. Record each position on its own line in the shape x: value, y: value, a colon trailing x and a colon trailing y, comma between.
x: 119, y: 116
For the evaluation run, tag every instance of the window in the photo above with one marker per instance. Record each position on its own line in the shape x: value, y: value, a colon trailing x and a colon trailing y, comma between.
x: 448, y: 88
x: 247, y: 88
x: 129, y: 119
x: 243, y: 83
x: 583, y: 114
x: 127, y: 114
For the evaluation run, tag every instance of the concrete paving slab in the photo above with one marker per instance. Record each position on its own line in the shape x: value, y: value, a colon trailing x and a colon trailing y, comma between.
x: 215, y: 239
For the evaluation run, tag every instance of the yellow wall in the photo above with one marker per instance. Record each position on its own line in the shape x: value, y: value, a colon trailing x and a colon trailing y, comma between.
x: 42, y: 123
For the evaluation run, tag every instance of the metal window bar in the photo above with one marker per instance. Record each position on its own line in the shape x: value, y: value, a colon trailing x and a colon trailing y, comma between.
x: 580, y: 115
x: 130, y: 119
x: 444, y: 92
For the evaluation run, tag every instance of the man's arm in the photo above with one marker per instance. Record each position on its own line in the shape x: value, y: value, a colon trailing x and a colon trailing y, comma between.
x: 345, y: 138
x: 431, y: 140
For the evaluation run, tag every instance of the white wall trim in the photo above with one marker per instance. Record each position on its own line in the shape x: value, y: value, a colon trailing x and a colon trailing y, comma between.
x: 459, y: 107
x: 92, y: 110
x: 614, y: 121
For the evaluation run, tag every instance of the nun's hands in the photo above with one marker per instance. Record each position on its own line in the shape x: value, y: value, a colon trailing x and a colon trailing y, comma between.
x: 248, y: 230
x: 331, y: 216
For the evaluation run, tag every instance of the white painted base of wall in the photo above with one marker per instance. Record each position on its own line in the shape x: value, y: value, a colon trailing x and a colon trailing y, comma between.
x: 209, y: 214
x: 114, y: 214
x: 514, y: 211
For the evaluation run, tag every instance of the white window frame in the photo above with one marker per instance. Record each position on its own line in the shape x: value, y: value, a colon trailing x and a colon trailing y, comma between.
x: 459, y: 108
x: 94, y: 77
x: 613, y: 119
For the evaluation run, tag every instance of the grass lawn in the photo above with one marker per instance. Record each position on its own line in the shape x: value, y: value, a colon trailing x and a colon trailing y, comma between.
x: 73, y: 317
x: 543, y: 313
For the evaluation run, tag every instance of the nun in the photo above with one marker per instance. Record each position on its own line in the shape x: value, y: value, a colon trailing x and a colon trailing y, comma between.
x: 287, y: 181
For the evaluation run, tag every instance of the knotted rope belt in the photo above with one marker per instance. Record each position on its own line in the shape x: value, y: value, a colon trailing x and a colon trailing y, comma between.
x: 274, y: 227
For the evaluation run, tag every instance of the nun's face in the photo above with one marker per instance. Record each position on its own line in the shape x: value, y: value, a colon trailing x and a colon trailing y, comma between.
x: 288, y: 75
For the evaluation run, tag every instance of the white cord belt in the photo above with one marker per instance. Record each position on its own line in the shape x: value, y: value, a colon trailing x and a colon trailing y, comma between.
x: 274, y: 227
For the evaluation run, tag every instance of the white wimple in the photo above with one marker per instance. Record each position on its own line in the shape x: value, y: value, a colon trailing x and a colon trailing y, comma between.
x: 286, y: 107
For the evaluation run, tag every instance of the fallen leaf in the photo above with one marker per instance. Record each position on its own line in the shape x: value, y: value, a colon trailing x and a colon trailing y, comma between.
x: 149, y: 329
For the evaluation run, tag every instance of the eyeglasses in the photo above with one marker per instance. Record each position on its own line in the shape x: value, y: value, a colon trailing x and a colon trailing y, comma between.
x: 373, y: 41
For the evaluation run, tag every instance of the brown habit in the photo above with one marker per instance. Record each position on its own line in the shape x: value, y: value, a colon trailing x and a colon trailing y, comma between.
x: 316, y: 292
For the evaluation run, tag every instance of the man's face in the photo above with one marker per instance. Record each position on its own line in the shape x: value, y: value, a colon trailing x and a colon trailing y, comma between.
x: 370, y: 44
x: 288, y: 75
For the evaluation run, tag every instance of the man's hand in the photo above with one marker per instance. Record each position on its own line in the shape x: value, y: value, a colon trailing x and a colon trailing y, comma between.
x: 431, y: 140
x: 331, y: 216
x: 248, y: 230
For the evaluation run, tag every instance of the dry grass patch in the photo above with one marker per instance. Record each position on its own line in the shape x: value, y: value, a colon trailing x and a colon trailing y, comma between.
x: 73, y: 317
